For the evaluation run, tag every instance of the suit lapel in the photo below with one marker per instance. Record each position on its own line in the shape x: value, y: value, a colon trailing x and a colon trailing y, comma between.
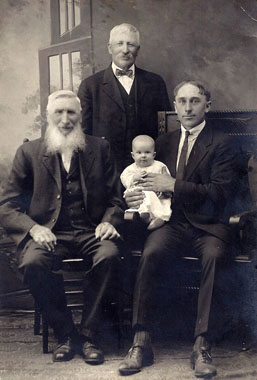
x: 51, y: 162
x: 141, y: 84
x: 86, y: 159
x: 173, y: 149
x: 110, y: 87
x: 199, y: 150
x: 167, y: 150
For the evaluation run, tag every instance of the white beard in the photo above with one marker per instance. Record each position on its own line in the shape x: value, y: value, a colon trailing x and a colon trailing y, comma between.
x: 56, y: 142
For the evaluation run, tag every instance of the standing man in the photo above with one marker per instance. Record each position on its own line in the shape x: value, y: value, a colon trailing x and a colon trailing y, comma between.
x: 199, y: 159
x: 122, y: 101
x: 62, y: 201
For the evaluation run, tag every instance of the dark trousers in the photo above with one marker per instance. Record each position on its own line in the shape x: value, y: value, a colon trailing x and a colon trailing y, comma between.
x: 39, y: 267
x: 161, y: 248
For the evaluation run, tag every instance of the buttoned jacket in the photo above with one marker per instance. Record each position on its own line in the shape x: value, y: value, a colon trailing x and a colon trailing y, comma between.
x: 103, y: 111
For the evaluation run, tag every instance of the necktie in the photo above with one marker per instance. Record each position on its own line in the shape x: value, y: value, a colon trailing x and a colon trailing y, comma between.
x: 182, y: 158
x: 120, y: 73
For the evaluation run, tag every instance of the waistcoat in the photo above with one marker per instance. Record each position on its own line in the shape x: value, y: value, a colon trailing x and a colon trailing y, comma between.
x: 72, y: 215
x: 131, y: 129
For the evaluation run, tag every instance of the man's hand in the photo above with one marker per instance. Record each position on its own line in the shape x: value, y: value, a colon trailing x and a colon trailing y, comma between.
x: 137, y: 177
x: 43, y: 236
x: 106, y: 231
x: 158, y: 182
x: 134, y: 198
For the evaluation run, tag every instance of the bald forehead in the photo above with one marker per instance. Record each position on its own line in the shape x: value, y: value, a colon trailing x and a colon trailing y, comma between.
x: 143, y: 139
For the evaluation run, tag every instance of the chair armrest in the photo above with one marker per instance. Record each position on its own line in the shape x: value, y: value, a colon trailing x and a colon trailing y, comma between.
x: 131, y: 216
x: 244, y: 217
x: 244, y: 226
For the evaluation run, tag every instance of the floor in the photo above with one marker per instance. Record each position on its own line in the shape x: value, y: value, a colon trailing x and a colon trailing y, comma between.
x: 21, y: 357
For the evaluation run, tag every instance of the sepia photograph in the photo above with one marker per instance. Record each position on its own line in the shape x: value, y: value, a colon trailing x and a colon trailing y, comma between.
x: 128, y: 189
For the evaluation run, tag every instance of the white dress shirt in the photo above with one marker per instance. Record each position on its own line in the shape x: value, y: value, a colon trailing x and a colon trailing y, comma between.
x: 66, y: 160
x: 124, y: 80
x: 194, y: 132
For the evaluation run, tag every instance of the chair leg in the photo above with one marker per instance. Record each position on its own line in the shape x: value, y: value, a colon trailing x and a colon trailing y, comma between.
x: 120, y: 320
x: 45, y: 332
x: 37, y: 318
x: 245, y: 337
x: 122, y: 299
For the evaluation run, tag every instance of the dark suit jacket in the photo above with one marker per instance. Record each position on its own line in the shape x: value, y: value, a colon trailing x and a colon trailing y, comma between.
x: 204, y: 193
x: 33, y: 194
x: 103, y: 112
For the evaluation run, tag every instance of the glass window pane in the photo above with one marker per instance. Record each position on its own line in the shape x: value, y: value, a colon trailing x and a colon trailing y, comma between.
x: 54, y: 73
x: 76, y: 70
x: 70, y: 15
x: 62, y: 16
x: 77, y: 12
x: 66, y: 72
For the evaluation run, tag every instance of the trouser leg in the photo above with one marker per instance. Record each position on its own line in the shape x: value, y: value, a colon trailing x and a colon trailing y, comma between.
x: 46, y: 287
x: 161, y: 248
x: 211, y: 250
x: 160, y: 245
x: 104, y: 258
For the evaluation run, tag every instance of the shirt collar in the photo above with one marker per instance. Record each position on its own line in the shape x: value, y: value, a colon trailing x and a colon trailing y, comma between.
x: 194, y: 132
x: 114, y: 67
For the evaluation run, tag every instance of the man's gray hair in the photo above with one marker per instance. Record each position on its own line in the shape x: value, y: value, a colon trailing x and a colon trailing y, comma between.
x: 127, y: 28
x: 61, y: 94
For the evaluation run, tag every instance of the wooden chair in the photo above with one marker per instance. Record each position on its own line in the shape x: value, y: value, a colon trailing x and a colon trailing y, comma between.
x: 73, y: 291
x: 242, y: 127
x: 73, y: 276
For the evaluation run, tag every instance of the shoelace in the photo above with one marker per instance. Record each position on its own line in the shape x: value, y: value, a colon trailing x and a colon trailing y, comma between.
x: 89, y: 345
x: 205, y: 356
x: 133, y: 351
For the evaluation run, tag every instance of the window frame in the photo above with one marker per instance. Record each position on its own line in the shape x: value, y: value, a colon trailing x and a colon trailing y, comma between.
x: 83, y: 45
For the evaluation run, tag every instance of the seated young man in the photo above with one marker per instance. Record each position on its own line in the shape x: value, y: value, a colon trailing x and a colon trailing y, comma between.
x: 199, y: 159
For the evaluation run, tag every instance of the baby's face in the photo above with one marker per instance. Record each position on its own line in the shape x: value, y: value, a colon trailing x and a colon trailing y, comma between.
x: 143, y: 153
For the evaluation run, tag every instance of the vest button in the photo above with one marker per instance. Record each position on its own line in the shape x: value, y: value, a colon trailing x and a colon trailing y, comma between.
x: 53, y: 220
x: 58, y: 196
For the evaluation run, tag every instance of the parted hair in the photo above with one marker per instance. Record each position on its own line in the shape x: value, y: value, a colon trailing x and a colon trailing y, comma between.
x: 202, y: 87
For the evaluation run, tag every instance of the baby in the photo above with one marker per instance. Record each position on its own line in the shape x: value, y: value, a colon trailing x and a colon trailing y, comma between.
x: 156, y: 208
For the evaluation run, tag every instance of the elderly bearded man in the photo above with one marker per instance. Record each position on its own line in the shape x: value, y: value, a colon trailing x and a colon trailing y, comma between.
x: 123, y: 100
x: 63, y: 201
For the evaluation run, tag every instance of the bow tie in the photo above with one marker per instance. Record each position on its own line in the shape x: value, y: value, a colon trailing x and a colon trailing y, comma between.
x: 120, y: 73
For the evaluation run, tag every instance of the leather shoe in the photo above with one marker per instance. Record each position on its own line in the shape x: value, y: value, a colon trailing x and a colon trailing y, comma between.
x: 136, y: 358
x: 64, y: 351
x: 92, y: 354
x: 201, y: 362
